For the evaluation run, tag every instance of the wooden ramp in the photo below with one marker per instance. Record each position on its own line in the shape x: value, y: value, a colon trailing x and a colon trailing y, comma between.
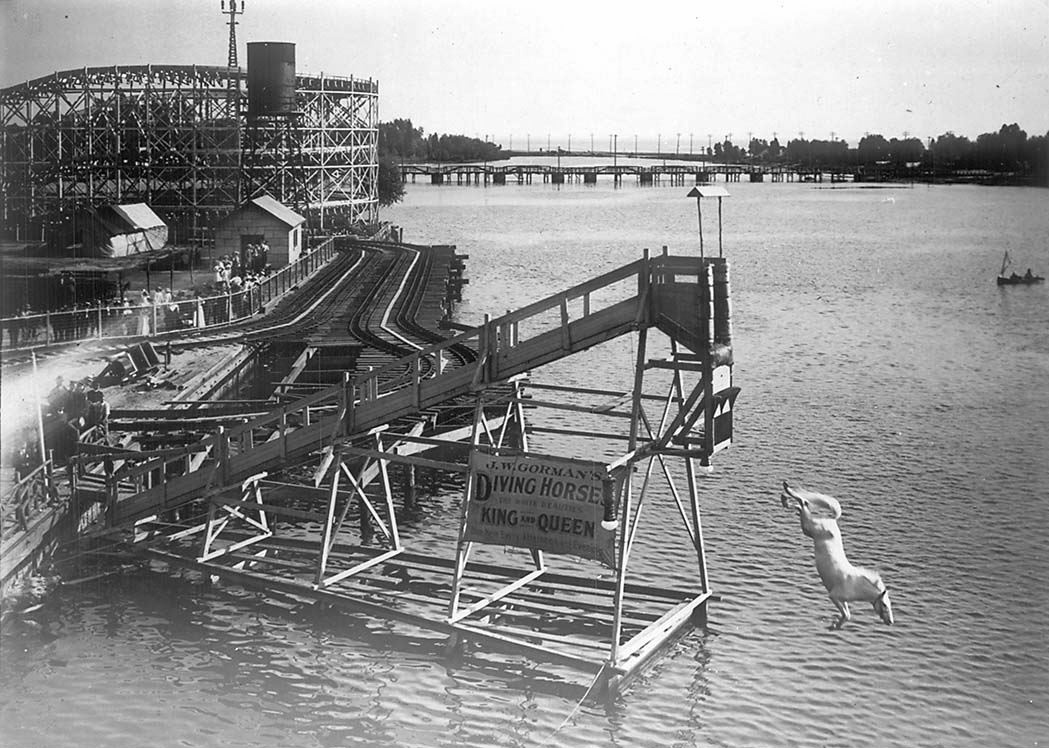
x: 642, y: 294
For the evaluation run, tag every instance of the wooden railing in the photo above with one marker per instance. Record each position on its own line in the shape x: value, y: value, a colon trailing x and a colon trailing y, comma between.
x: 152, y: 321
x: 26, y: 499
x: 585, y: 315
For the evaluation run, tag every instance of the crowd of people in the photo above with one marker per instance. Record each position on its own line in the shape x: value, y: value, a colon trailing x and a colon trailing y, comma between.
x: 149, y: 311
x: 71, y: 410
x: 236, y: 269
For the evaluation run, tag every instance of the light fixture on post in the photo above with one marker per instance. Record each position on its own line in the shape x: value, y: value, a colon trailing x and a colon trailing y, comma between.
x: 711, y: 190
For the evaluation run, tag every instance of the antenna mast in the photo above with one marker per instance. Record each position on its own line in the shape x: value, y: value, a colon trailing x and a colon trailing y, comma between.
x: 232, y: 12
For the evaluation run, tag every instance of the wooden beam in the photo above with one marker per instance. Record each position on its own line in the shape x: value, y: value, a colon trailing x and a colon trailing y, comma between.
x: 272, y: 509
x: 659, y: 629
x: 596, y: 410
x: 543, y: 653
x: 451, y: 467
x: 576, y: 432
x: 497, y: 595
x: 346, y: 573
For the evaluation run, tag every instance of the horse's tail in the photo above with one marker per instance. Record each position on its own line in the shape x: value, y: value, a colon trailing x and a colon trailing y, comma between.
x: 815, y: 500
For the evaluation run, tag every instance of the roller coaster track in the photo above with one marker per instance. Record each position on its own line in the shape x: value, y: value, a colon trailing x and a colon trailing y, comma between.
x: 370, y: 293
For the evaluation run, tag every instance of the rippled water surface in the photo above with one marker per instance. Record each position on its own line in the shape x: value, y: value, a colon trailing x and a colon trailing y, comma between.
x: 878, y: 362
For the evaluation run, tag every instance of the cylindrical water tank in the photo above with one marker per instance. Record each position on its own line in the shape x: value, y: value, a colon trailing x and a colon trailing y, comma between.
x: 271, y: 79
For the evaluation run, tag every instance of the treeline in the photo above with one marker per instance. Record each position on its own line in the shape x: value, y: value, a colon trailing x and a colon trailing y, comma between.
x: 1008, y: 151
x: 404, y: 142
x: 400, y: 142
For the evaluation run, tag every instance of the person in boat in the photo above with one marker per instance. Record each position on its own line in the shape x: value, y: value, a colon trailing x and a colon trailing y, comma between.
x: 1028, y: 275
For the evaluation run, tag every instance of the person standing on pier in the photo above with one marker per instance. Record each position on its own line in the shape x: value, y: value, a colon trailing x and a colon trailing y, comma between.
x: 58, y: 397
x: 97, y: 410
x: 144, y: 313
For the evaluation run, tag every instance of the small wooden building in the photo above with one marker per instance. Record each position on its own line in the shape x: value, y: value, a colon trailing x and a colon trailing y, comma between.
x: 262, y: 220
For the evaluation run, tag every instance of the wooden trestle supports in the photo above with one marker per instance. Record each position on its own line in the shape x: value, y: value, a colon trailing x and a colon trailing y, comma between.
x: 346, y: 434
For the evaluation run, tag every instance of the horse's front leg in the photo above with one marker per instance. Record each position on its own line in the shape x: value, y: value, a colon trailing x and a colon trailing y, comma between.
x: 843, y: 608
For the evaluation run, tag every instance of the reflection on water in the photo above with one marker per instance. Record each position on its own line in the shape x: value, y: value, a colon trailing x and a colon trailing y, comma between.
x: 878, y: 362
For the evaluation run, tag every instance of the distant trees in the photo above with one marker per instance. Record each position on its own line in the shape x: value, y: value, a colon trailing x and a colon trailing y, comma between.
x: 405, y: 142
x: 950, y: 150
x: 728, y: 152
x: 390, y: 185
x: 872, y: 149
x: 817, y: 153
x: 1009, y: 152
x: 400, y: 141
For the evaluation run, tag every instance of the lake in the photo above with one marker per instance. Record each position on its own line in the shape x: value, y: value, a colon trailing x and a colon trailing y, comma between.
x: 878, y: 362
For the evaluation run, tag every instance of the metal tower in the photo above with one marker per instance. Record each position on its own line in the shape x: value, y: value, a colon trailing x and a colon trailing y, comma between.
x: 232, y: 12
x: 233, y: 82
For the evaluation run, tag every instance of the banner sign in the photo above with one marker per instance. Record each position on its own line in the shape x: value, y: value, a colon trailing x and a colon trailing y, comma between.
x: 550, y: 504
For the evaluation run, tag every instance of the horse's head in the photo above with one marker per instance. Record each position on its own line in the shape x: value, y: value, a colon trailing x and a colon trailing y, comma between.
x: 790, y: 500
x: 883, y: 607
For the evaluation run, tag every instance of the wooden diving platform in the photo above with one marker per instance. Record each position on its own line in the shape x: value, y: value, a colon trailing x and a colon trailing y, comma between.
x: 324, y: 463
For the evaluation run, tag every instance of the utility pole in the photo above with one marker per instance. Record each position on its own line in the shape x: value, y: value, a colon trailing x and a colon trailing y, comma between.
x: 690, y: 144
x: 569, y: 142
x: 677, y: 151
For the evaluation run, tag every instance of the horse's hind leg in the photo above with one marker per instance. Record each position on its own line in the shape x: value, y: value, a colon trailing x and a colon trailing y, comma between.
x: 843, y: 608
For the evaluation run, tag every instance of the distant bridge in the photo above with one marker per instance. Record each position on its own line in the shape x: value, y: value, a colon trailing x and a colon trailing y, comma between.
x: 674, y: 174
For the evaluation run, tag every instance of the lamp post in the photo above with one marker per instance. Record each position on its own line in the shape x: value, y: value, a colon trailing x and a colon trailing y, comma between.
x: 699, y: 192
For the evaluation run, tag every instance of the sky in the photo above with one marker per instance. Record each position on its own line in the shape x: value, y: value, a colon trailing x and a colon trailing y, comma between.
x: 540, y: 71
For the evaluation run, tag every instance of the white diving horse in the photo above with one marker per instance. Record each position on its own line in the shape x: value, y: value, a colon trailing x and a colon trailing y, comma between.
x: 844, y: 582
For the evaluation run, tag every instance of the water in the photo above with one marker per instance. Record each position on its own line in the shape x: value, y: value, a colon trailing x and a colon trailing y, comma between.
x: 878, y: 362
